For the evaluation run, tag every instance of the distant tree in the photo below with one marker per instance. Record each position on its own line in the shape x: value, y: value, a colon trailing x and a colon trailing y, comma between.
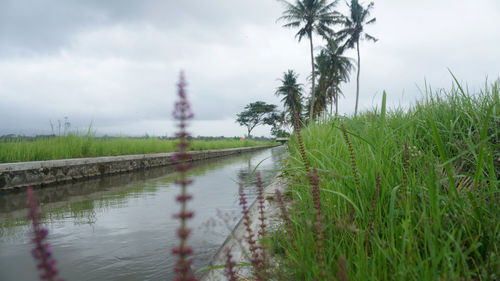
x: 279, y: 124
x: 279, y: 133
x: 292, y: 94
x: 353, y: 31
x: 257, y: 113
x: 310, y: 16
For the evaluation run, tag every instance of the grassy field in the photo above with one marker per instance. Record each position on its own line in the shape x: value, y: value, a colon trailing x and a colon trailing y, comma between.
x: 408, y: 195
x: 77, y: 146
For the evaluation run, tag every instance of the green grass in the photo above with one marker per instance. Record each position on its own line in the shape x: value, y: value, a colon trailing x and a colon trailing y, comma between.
x: 77, y: 146
x: 434, y: 216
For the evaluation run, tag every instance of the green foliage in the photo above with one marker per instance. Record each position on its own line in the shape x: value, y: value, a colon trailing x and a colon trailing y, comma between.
x: 257, y: 113
x: 426, y: 206
x: 279, y: 133
x: 310, y: 16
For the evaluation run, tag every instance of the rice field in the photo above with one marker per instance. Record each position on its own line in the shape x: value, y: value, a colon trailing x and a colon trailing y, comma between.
x: 77, y: 146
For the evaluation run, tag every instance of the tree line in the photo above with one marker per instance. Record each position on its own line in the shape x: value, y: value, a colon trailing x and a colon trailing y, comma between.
x: 329, y: 69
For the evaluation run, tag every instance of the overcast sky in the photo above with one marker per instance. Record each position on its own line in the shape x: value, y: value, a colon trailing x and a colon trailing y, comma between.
x: 115, y: 63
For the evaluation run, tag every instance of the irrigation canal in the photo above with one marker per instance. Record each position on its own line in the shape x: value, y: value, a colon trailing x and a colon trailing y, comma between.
x: 121, y: 227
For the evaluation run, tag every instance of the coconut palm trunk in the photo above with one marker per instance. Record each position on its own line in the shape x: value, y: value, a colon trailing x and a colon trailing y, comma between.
x: 357, y: 82
x: 311, y: 112
x: 336, y: 102
x: 332, y: 100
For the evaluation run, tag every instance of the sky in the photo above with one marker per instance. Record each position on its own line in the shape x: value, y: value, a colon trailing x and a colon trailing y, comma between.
x: 113, y: 65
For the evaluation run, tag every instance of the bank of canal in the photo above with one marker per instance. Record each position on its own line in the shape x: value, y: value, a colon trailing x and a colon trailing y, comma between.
x: 19, y: 175
x: 121, y: 228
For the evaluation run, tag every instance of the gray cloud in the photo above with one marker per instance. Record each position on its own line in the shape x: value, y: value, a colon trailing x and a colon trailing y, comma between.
x: 43, y: 27
x: 116, y: 62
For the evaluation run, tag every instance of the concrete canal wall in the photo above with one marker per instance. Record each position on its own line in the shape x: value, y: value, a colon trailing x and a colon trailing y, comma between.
x: 15, y: 176
x: 236, y: 241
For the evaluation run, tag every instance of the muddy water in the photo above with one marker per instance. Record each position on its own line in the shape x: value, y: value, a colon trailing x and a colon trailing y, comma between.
x: 121, y: 227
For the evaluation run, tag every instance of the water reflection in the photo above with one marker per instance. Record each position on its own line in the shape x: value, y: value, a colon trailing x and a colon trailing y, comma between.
x: 121, y: 227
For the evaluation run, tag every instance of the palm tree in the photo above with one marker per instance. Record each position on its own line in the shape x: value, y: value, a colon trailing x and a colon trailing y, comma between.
x: 320, y: 103
x: 310, y: 16
x: 291, y: 92
x: 353, y: 31
x: 339, y: 69
x: 323, y: 72
x: 332, y: 68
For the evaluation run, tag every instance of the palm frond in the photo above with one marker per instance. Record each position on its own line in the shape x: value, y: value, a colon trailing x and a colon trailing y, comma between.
x: 292, y: 24
x: 301, y: 33
x: 371, y: 21
x: 371, y: 38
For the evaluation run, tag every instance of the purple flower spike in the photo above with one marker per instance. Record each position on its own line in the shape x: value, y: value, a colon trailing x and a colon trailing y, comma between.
x: 182, y: 110
x: 319, y: 235
x: 42, y: 251
x: 183, y: 113
x: 231, y: 274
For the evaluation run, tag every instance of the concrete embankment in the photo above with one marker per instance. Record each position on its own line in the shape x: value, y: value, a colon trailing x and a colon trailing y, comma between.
x: 17, y: 176
x: 236, y: 242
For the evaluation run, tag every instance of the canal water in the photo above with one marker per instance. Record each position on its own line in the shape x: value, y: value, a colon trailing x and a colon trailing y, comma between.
x: 121, y: 227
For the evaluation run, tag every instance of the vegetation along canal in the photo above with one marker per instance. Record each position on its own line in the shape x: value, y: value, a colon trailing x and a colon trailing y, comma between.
x: 121, y: 227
